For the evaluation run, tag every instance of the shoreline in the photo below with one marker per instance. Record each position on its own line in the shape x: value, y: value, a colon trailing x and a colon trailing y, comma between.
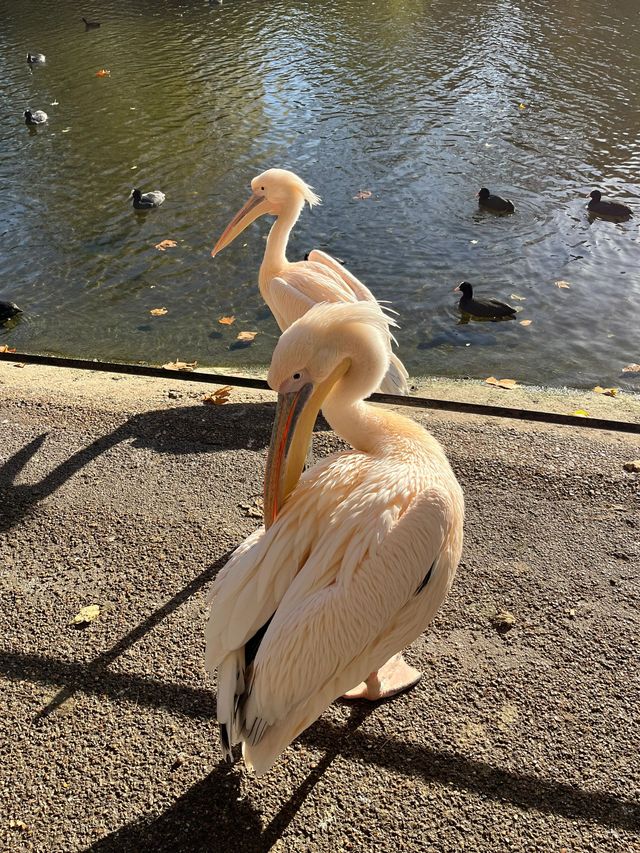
x: 44, y: 383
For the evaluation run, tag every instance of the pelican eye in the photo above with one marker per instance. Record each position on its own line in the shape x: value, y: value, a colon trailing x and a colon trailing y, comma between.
x: 262, y: 188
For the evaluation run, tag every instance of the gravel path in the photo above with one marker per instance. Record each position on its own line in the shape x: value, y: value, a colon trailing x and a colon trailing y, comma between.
x: 518, y: 738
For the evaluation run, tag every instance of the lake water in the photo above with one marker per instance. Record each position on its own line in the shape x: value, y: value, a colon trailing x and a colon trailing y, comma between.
x: 416, y: 101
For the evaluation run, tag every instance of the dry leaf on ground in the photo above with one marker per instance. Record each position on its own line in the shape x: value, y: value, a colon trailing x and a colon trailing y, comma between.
x: 563, y: 284
x: 7, y: 348
x: 158, y: 312
x: 608, y: 392
x: 631, y: 368
x: 226, y: 321
x: 86, y: 615
x: 218, y: 397
x: 163, y: 245
x: 501, y: 383
x: 580, y: 413
x: 363, y: 194
x: 103, y: 73
x: 526, y: 322
x: 633, y: 466
x: 180, y: 365
x: 246, y: 336
x: 503, y: 620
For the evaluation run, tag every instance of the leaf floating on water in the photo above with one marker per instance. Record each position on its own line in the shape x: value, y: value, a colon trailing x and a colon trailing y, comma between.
x: 227, y: 321
x: 501, y: 383
x: 103, y: 73
x: 163, y: 245
x: 526, y: 322
x: 7, y: 348
x: 363, y: 194
x: 518, y: 298
x: 522, y: 106
x: 608, y: 392
x: 54, y: 103
x: 580, y: 413
x: 562, y: 284
x: 631, y: 368
x: 180, y: 365
x: 86, y: 615
x: 218, y: 397
x: 246, y: 336
x: 158, y: 312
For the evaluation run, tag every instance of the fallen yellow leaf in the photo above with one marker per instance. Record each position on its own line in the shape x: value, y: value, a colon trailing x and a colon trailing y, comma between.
x: 7, y: 348
x: 86, y: 614
x: 163, y: 245
x: 563, y: 284
x: 180, y: 365
x: 103, y: 73
x: 608, y: 392
x: 630, y: 368
x: 633, y: 466
x: 363, y: 194
x: 227, y: 321
x: 525, y: 322
x: 580, y: 413
x: 501, y: 383
x: 522, y: 106
x: 218, y: 397
x: 246, y: 336
x: 158, y: 312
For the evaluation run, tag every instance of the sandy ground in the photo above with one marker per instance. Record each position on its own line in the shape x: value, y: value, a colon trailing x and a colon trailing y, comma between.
x: 129, y: 493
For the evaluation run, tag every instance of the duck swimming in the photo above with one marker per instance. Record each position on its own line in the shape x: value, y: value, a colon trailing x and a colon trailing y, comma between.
x: 8, y: 310
x: 35, y: 118
x: 36, y: 58
x: 494, y: 202
x: 607, y: 208
x: 145, y: 201
x: 489, y: 308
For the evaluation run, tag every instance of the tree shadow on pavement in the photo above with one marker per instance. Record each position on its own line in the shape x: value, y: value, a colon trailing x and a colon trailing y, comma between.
x: 186, y: 429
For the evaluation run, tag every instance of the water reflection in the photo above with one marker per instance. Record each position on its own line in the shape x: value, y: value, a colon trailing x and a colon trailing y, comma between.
x: 417, y: 101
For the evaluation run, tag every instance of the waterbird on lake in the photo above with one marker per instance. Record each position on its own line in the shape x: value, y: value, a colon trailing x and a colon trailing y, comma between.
x: 8, y: 310
x: 355, y: 557
x: 91, y: 25
x: 146, y: 201
x: 490, y: 308
x: 614, y: 209
x: 494, y: 202
x: 36, y: 58
x: 34, y: 118
x: 291, y: 288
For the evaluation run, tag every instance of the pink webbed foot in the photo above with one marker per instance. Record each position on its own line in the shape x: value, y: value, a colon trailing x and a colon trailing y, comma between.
x: 394, y: 677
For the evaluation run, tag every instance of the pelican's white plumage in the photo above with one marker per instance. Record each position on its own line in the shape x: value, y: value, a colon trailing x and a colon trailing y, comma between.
x: 358, y: 554
x: 291, y: 288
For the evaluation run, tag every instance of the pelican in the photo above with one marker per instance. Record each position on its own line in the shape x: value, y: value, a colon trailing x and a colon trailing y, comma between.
x: 291, y: 288
x: 356, y: 554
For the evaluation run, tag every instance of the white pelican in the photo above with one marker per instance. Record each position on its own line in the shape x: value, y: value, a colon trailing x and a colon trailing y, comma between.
x: 358, y: 552
x: 291, y: 288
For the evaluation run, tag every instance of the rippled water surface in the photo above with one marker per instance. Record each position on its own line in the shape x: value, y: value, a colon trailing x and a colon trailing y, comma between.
x: 417, y: 101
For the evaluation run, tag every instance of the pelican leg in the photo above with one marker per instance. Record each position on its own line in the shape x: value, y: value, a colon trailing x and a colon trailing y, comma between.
x: 394, y: 677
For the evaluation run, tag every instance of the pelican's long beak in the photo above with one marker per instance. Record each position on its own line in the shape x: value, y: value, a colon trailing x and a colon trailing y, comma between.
x: 256, y: 206
x: 296, y: 415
